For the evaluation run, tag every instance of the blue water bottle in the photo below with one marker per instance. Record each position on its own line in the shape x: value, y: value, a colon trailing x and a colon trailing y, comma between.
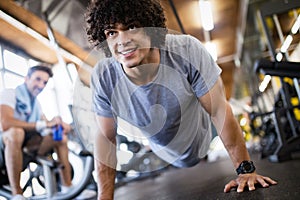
x: 57, y: 132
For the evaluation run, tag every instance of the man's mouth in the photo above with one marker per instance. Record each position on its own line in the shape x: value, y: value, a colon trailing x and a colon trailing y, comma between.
x: 127, y: 52
x: 38, y: 90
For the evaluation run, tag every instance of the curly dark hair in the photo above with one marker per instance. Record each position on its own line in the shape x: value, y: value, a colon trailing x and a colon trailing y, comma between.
x: 147, y: 13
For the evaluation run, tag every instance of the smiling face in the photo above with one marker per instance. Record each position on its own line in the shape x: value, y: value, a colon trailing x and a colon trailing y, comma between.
x: 36, y: 82
x: 129, y: 44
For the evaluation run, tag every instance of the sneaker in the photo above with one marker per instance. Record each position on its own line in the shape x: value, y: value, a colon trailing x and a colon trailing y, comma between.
x: 86, y: 194
x: 18, y: 197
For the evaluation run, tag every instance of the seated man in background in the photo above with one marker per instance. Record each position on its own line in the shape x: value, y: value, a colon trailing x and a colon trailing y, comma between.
x: 23, y: 125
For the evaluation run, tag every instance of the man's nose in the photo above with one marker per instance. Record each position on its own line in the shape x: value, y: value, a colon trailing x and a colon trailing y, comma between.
x: 124, y: 38
x: 41, y: 85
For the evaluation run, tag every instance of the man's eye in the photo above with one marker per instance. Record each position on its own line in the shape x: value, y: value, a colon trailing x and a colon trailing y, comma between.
x: 110, y: 33
x: 132, y: 27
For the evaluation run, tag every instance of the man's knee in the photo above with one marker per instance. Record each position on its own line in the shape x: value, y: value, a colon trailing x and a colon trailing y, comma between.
x: 14, y: 136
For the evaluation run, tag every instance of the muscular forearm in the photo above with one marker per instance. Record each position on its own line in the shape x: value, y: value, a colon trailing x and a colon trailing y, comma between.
x: 106, y: 181
x: 234, y: 142
x: 231, y: 135
x: 105, y: 164
x: 17, y: 123
x: 8, y: 120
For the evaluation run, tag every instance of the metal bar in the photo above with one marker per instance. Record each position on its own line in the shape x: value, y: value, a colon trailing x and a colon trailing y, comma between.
x: 176, y: 15
x: 271, y: 45
x: 60, y: 8
x: 269, y: 9
x: 52, y: 6
x: 278, y: 28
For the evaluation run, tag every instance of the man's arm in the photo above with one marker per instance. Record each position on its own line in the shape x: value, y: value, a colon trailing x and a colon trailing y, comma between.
x: 215, y: 103
x: 105, y: 157
x: 8, y: 120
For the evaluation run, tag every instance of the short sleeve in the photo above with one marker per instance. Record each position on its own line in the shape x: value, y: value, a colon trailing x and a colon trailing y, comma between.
x: 206, y: 71
x: 100, y: 97
x: 8, y: 97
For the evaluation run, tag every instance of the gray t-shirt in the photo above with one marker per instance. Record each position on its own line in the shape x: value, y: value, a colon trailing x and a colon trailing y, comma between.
x: 166, y: 110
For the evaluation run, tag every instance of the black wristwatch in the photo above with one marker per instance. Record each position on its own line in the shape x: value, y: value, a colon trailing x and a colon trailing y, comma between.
x: 245, y: 167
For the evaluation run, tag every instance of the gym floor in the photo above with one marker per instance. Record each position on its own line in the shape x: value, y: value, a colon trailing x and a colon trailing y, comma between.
x: 207, y: 180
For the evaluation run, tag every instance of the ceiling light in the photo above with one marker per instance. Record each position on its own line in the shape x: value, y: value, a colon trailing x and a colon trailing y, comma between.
x: 296, y: 25
x: 287, y: 42
x: 279, y: 56
x: 264, y: 83
x: 206, y: 15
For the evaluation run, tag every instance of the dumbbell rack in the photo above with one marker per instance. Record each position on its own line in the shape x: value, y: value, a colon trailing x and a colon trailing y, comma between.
x: 288, y: 142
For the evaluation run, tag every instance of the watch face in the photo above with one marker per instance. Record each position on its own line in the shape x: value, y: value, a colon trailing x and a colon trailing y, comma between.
x: 245, y: 167
x: 248, y: 167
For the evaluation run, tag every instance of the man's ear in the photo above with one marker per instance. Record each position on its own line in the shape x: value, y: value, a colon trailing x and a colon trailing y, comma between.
x: 26, y: 78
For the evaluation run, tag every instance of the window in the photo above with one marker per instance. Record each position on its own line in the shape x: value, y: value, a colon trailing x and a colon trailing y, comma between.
x: 32, y: 62
x: 12, y: 80
x: 15, y: 63
x: 48, y: 100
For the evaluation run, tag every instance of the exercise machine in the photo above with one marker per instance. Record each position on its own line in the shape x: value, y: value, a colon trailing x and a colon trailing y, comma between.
x: 46, y: 174
x: 284, y: 120
x: 135, y: 159
x: 283, y: 126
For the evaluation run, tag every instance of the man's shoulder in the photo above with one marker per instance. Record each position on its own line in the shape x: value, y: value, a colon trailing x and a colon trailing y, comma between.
x: 7, y: 96
x: 181, y: 43
x: 179, y: 39
x: 107, y: 70
x: 105, y: 64
x: 107, y: 61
